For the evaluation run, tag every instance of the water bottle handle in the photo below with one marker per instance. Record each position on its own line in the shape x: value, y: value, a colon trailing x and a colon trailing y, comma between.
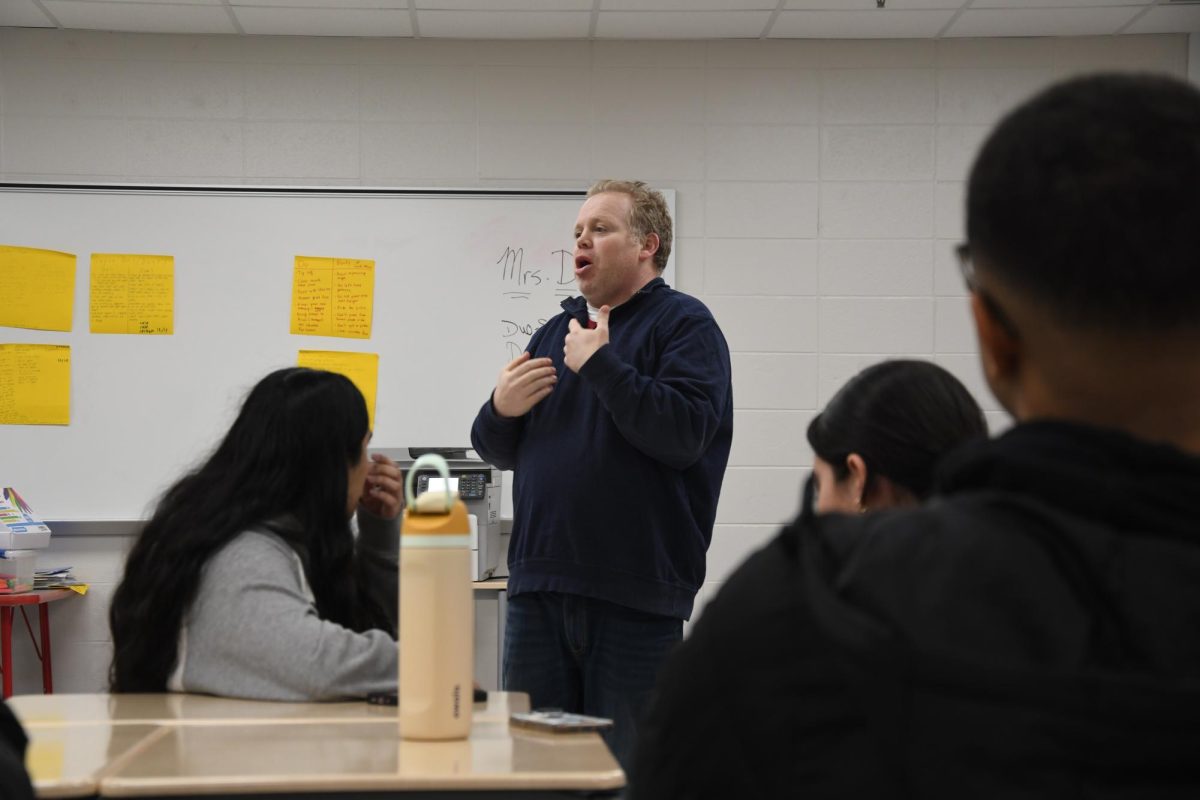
x: 427, y: 460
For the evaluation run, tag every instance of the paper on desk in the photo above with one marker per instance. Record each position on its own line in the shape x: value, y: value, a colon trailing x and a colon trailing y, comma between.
x: 361, y: 368
x: 77, y: 588
x: 46, y: 757
x: 132, y: 294
x: 333, y: 296
x: 35, y: 384
x: 58, y: 578
x: 39, y: 288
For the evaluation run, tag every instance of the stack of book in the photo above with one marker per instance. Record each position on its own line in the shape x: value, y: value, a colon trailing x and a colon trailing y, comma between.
x: 58, y: 578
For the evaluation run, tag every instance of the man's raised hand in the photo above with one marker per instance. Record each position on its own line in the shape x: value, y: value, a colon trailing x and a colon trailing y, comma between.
x: 581, y: 343
x: 522, y: 384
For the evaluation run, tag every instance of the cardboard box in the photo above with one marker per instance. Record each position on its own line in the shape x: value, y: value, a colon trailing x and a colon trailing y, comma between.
x: 20, y: 529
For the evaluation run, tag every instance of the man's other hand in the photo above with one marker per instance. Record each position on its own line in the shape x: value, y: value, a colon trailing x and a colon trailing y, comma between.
x: 523, y: 384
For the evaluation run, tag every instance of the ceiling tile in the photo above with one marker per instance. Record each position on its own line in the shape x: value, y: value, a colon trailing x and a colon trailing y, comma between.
x: 1057, y: 3
x: 504, y: 24
x: 23, y: 14
x: 681, y: 25
x: 1168, y: 19
x: 615, y: 19
x: 329, y: 5
x: 870, y: 5
x: 324, y: 21
x: 506, y: 5
x: 155, y: 2
x: 688, y: 5
x: 1042, y: 21
x: 874, y: 24
x: 140, y: 17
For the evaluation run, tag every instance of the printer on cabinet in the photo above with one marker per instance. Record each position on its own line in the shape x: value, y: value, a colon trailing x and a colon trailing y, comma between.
x: 478, y: 485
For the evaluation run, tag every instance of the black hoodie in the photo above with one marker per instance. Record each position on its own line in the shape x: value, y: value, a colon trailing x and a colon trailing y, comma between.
x: 14, y: 781
x: 1034, y: 631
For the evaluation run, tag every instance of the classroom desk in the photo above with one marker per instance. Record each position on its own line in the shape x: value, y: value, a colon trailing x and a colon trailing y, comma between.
x: 43, y: 710
x: 193, y: 745
x: 66, y: 760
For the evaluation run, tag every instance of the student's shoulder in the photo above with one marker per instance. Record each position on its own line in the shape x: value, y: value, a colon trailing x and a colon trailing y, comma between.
x: 758, y: 589
x: 962, y: 526
x: 897, y: 564
x: 878, y: 554
x: 255, y: 550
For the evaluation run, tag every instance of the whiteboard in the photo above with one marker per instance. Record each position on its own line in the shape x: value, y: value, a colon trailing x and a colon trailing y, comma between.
x: 462, y: 279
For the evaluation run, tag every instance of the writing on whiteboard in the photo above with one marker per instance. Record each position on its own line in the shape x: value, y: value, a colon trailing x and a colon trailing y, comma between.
x: 531, y: 289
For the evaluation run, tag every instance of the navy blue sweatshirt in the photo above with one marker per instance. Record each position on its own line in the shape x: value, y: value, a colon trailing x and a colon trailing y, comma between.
x: 618, y: 470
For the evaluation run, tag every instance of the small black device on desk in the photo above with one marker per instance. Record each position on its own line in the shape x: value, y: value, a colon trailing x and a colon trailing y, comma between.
x: 390, y: 698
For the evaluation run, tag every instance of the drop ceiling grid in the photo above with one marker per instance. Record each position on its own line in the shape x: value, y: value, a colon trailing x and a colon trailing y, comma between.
x: 612, y: 19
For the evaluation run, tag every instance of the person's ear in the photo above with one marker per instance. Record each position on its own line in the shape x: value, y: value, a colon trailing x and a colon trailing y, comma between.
x: 857, y: 479
x: 650, y: 245
x: 999, y: 353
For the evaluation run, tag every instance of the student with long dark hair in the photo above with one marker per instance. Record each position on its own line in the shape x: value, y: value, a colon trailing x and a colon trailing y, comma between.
x: 248, y: 580
x: 876, y: 444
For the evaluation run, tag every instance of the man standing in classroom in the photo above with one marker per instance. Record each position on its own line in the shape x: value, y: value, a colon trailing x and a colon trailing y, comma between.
x: 617, y: 422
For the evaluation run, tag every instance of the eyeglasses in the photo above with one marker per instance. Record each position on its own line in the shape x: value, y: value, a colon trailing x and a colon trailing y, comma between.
x: 966, y: 266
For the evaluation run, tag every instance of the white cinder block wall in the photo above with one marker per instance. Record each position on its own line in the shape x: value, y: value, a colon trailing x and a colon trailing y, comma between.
x: 819, y: 188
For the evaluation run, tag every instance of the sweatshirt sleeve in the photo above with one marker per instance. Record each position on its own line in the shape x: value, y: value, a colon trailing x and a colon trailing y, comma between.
x: 253, y: 632
x: 672, y: 415
x: 497, y: 438
x: 378, y: 552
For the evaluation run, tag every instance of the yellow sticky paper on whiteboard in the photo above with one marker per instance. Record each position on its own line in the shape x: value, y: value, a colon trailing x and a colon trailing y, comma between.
x: 132, y: 294
x: 333, y: 296
x: 35, y: 384
x: 361, y: 368
x: 39, y: 288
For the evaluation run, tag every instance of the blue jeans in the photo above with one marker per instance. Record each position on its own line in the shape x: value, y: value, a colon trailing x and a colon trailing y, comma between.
x: 587, y: 656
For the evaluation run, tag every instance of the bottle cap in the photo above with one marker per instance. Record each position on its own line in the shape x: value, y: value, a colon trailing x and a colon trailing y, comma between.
x: 433, y: 513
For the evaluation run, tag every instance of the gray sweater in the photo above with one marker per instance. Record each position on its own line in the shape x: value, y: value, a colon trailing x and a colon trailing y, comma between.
x: 253, y: 630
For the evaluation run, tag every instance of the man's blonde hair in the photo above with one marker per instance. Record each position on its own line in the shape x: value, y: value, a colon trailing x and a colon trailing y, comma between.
x: 648, y: 214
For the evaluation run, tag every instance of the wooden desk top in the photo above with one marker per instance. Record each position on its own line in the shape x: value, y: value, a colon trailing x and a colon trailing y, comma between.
x: 114, y: 744
x: 201, y: 709
x: 490, y: 585
x: 66, y: 760
x: 359, y: 756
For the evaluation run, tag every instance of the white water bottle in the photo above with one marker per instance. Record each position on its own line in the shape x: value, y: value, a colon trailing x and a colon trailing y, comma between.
x: 437, y: 612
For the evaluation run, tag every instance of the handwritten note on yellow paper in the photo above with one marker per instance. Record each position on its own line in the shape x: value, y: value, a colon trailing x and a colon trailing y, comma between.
x: 38, y: 288
x: 35, y: 384
x: 132, y: 294
x: 333, y: 296
x: 361, y: 368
